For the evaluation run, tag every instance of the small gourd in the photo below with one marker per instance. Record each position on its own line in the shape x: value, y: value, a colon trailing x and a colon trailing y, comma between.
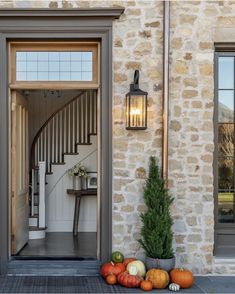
x: 174, y: 287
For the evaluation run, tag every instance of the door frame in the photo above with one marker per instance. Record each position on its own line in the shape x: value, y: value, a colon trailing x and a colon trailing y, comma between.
x: 66, y: 25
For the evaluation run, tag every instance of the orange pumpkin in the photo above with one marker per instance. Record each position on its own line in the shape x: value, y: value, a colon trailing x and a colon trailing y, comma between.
x: 182, y: 277
x: 146, y: 285
x: 111, y: 279
x: 111, y: 268
x: 159, y: 278
x: 129, y: 281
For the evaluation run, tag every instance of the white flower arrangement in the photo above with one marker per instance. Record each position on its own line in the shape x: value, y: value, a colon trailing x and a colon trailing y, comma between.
x: 78, y: 170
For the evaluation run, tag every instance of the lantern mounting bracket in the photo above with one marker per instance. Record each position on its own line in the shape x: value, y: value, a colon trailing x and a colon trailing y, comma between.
x: 135, y: 85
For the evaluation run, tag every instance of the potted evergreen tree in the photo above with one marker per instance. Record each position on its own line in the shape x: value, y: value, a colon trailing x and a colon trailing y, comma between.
x: 156, y: 232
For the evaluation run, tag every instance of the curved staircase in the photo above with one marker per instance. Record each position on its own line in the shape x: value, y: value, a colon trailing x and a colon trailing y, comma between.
x: 64, y: 131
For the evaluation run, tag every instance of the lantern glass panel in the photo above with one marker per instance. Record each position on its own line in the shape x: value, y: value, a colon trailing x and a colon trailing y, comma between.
x: 137, y: 111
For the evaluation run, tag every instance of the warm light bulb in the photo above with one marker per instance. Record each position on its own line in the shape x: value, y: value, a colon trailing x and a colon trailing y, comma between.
x: 135, y: 111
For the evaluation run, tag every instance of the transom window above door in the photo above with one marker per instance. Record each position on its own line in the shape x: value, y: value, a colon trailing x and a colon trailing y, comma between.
x: 54, y: 62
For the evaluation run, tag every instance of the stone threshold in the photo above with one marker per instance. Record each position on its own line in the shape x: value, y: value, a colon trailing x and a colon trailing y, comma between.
x: 223, y: 260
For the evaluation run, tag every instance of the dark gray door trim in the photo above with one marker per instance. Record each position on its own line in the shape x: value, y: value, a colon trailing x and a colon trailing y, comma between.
x: 24, y: 24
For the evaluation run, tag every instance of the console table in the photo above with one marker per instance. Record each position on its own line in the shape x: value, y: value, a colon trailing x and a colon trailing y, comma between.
x: 78, y: 196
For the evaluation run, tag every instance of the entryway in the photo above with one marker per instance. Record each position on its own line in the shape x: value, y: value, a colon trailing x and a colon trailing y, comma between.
x: 54, y: 132
x: 32, y: 26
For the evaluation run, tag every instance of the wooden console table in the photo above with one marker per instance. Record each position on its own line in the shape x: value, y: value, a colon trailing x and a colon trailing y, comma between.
x: 79, y: 194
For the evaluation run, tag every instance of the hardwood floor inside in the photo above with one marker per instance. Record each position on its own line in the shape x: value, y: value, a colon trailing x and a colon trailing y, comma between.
x: 83, y: 246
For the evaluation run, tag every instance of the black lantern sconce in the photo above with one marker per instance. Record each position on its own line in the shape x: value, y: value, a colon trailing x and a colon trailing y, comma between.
x: 136, y: 106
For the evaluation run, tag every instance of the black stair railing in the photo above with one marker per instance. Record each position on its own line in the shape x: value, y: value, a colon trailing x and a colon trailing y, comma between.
x: 65, y: 129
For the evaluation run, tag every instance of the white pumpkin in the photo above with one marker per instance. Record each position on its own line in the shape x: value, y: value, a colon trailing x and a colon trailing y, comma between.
x: 139, y: 265
x: 174, y: 287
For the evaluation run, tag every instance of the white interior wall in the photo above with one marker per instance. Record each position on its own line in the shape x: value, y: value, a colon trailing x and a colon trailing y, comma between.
x: 60, y: 205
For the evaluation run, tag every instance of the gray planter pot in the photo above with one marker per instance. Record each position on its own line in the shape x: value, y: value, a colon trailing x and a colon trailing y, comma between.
x: 165, y: 264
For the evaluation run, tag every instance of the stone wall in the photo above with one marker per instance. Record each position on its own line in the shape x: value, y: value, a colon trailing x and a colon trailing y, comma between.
x: 194, y: 29
x: 137, y: 44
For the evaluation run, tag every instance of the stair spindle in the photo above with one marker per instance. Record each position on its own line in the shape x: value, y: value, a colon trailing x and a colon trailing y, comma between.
x: 69, y: 126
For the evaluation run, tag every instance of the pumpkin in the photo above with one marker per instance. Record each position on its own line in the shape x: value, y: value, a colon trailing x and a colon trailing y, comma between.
x: 111, y: 279
x: 146, y: 285
x: 129, y: 281
x: 139, y: 265
x: 112, y: 268
x: 117, y: 257
x: 128, y: 260
x: 174, y: 287
x: 182, y: 277
x: 159, y: 278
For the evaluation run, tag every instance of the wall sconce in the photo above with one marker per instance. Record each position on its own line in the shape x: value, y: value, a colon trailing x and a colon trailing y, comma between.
x: 136, y: 106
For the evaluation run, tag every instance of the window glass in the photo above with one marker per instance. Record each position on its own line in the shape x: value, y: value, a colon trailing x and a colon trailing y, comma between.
x: 54, y: 66
x: 226, y: 190
x: 225, y: 144
x: 226, y: 105
x: 226, y: 140
x: 226, y: 72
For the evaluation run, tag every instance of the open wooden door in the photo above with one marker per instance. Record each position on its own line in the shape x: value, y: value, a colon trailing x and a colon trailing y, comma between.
x: 20, y: 172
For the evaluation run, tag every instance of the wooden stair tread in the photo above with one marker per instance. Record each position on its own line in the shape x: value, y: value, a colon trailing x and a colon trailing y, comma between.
x: 45, y: 183
x: 31, y: 228
x: 34, y: 216
x: 92, y: 134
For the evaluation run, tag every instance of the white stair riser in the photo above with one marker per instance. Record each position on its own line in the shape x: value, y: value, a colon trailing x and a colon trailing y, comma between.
x: 33, y: 235
x: 36, y: 209
x: 33, y: 221
x: 36, y: 198
x: 70, y: 161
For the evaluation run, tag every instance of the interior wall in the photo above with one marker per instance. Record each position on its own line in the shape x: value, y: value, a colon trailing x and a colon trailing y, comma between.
x: 60, y: 205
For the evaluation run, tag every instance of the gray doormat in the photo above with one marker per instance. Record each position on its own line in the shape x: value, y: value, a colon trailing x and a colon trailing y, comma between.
x: 33, y: 284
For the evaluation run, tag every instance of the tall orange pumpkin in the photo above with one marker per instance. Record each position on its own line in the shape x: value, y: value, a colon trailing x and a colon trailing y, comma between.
x: 159, y: 278
x: 182, y: 277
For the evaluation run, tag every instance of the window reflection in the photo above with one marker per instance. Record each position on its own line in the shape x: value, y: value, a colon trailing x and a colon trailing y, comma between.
x: 54, y: 66
x: 226, y: 73
x: 226, y: 140
x: 226, y: 190
x: 226, y: 105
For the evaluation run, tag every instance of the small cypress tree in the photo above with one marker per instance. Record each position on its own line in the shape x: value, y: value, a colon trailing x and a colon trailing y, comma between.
x: 157, y: 222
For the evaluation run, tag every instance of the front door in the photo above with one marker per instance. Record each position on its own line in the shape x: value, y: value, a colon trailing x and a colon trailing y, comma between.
x: 19, y: 180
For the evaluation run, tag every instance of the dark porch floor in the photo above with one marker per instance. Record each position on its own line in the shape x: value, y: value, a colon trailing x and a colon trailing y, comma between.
x: 97, y: 285
x: 62, y: 245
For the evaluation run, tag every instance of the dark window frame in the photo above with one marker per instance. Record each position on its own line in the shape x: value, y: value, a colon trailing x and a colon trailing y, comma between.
x: 61, y: 24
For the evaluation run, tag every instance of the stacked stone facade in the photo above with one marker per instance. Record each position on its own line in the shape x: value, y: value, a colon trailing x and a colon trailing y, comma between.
x: 138, y: 44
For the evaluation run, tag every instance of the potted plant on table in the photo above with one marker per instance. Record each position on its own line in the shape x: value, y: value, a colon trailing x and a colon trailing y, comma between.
x: 79, y: 173
x: 156, y: 232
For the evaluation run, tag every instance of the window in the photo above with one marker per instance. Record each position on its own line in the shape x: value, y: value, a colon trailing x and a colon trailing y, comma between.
x: 225, y: 139
x: 224, y: 160
x: 54, y: 62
